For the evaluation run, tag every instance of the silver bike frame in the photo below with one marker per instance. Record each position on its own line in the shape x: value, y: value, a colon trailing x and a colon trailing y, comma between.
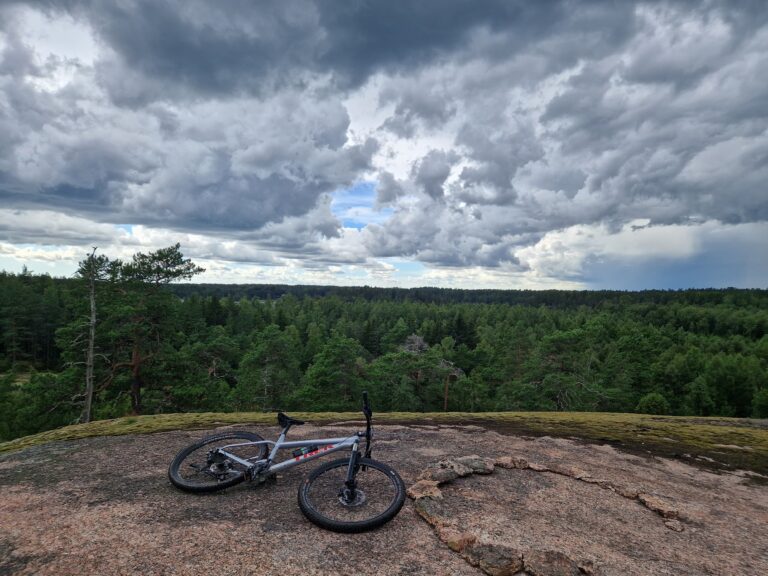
x: 264, y: 466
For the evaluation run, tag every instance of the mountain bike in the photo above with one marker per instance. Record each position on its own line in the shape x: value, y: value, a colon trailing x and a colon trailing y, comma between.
x: 352, y: 494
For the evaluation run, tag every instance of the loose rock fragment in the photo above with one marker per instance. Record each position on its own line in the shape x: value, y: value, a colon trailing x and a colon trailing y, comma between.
x: 446, y: 471
x: 494, y: 559
x: 675, y: 525
x: 430, y: 510
x: 424, y: 489
x: 438, y: 474
x: 511, y: 462
x: 599, y: 481
x: 631, y: 492
x: 477, y: 464
x: 569, y: 471
x: 461, y: 468
x: 455, y: 539
x: 550, y: 563
x: 664, y: 509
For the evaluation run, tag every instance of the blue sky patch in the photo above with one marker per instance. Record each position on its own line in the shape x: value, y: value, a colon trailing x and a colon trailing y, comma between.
x: 355, y: 206
x: 409, y: 266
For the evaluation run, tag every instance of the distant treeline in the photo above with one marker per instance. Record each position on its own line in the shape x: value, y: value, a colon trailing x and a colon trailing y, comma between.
x: 550, y: 298
x: 204, y: 347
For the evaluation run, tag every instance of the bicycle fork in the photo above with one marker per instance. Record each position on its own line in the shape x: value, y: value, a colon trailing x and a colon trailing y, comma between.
x: 350, y: 485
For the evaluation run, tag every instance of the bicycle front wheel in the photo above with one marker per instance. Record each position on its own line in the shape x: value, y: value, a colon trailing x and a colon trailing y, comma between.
x: 199, y: 468
x: 379, y: 495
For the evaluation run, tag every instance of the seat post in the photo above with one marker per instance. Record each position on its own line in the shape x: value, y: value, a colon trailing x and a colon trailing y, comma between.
x: 279, y: 442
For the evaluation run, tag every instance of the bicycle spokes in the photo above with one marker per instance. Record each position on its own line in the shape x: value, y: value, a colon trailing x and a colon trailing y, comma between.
x: 373, y: 498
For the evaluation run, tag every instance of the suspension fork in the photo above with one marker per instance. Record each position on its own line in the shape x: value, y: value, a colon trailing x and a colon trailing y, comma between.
x: 354, y: 465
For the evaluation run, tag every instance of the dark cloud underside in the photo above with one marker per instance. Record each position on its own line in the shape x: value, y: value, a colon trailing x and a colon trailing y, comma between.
x: 498, y: 123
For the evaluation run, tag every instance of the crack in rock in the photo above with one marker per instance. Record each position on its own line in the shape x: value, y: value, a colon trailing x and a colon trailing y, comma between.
x: 654, y: 503
x: 500, y: 560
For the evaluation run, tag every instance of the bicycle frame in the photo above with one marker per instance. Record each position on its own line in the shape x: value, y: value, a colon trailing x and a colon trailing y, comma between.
x: 351, y: 494
x: 264, y: 466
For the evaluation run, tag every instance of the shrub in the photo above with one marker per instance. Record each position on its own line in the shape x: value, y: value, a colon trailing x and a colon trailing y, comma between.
x: 760, y: 404
x: 653, y: 403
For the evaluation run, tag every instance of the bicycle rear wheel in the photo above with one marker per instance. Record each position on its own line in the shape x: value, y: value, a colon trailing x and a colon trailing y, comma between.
x: 379, y: 496
x: 198, y: 468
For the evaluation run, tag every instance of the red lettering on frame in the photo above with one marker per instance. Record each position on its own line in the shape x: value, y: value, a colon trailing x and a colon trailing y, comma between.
x: 313, y: 453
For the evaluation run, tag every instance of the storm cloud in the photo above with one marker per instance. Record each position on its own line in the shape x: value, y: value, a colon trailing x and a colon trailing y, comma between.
x: 495, y: 136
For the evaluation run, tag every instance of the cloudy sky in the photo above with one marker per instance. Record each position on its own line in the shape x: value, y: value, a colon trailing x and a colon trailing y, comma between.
x: 507, y: 144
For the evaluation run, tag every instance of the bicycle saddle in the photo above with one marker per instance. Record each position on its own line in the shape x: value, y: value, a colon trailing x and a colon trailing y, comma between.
x: 285, y: 420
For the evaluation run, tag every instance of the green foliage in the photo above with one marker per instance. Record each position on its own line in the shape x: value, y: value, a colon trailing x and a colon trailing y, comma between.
x: 40, y: 402
x: 159, y: 267
x: 396, y: 335
x: 415, y: 381
x: 760, y: 404
x: 698, y: 401
x: 226, y: 348
x: 336, y: 376
x: 733, y: 378
x: 653, y: 403
x: 269, y: 373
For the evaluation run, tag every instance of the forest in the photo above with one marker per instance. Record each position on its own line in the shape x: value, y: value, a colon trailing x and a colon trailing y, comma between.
x: 124, y: 337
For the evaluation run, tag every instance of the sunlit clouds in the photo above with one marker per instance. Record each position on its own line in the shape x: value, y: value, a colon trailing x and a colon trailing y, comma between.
x: 451, y: 143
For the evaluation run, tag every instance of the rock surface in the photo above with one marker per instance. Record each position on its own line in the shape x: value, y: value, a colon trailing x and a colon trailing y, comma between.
x: 477, y: 464
x: 104, y: 506
x: 550, y: 563
x: 494, y: 559
x: 658, y: 505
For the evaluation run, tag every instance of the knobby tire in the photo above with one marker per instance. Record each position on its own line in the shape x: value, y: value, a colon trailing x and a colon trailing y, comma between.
x: 383, y: 496
x: 191, y: 470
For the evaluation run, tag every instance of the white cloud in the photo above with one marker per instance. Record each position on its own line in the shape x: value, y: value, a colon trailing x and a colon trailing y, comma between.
x: 567, y: 252
x: 715, y: 164
x: 509, y: 149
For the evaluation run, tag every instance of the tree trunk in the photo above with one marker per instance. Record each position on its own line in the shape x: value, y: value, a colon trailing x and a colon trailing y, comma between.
x: 13, y: 342
x: 85, y: 416
x: 136, y: 381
